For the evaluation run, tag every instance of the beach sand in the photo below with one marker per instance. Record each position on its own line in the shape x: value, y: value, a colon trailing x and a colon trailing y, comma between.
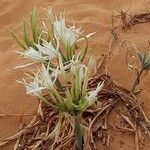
x: 93, y: 16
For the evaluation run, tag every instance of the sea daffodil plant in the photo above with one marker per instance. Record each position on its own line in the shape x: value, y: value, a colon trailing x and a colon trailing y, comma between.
x: 61, y: 80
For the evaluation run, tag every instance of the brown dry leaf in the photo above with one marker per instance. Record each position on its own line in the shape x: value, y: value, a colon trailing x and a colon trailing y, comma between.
x: 17, y: 135
x: 108, y: 142
x: 128, y: 121
x: 136, y: 141
x: 15, y: 115
x: 146, y: 119
x: 141, y: 137
x: 125, y: 129
x: 85, y: 134
x: 40, y: 110
x: 16, y: 144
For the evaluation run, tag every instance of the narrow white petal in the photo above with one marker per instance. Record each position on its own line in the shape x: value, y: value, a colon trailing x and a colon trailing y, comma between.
x: 88, y: 36
x: 93, y: 94
x: 23, y: 66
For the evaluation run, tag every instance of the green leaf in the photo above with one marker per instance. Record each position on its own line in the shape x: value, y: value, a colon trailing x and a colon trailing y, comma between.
x: 81, y: 106
x: 14, y: 36
x: 140, y: 56
x: 33, y: 23
x: 26, y: 37
x: 144, y: 58
x: 84, y: 52
x: 36, y: 30
x: 50, y: 32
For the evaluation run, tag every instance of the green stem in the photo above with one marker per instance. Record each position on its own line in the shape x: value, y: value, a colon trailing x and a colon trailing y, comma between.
x: 78, y: 134
x: 84, y: 52
x: 136, y: 82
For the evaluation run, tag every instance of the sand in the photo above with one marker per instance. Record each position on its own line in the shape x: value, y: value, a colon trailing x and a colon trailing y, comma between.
x: 93, y: 16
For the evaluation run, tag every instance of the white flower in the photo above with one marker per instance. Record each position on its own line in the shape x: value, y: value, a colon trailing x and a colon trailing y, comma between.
x: 78, y: 70
x: 67, y: 35
x: 48, y: 76
x: 47, y: 50
x: 92, y: 95
x: 44, y: 52
x: 32, y: 54
x: 59, y: 28
x: 71, y: 36
x: 33, y: 88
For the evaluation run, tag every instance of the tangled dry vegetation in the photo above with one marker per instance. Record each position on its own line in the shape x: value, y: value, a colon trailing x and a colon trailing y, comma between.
x: 44, y: 132
x: 95, y: 121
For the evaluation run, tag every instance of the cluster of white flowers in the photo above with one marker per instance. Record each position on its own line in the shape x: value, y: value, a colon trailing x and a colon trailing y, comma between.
x: 68, y: 36
x: 65, y: 81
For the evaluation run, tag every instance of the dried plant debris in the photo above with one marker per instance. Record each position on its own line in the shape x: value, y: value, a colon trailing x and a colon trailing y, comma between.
x: 128, y: 20
x: 140, y: 18
x: 123, y: 17
x: 50, y: 129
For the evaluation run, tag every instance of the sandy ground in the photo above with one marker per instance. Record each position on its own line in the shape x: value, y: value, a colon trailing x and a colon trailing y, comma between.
x: 93, y: 15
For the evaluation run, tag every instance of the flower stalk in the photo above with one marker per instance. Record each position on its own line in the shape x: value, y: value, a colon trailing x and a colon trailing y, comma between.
x: 137, y: 81
x: 78, y: 134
